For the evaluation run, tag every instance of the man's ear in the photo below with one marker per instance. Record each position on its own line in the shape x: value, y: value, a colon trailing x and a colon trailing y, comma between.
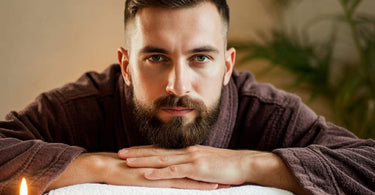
x: 230, y: 58
x: 123, y: 60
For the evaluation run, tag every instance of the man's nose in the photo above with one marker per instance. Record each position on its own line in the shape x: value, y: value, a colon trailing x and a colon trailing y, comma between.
x: 179, y: 83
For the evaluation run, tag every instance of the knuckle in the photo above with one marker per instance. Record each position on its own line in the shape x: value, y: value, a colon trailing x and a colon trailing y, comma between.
x: 173, y: 169
x: 191, y: 149
x: 163, y: 159
x: 195, y: 155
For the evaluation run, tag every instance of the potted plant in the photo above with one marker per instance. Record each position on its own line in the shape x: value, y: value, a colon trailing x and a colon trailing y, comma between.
x: 352, y: 95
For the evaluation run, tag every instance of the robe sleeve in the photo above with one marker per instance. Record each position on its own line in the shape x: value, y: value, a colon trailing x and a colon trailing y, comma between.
x: 325, y: 158
x: 30, y: 145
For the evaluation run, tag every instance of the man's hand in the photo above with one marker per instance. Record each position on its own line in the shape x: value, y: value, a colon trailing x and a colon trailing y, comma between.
x: 109, y: 168
x: 212, y: 165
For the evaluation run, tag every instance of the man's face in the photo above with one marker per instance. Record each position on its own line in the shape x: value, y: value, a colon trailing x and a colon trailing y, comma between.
x: 180, y: 55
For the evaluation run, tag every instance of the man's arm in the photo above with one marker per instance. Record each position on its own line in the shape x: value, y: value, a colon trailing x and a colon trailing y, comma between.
x: 212, y: 165
x: 37, y: 161
x: 40, y: 141
x: 24, y: 151
x: 31, y: 146
x: 325, y: 158
x: 110, y: 169
x: 316, y: 169
x: 307, y: 153
x: 336, y: 163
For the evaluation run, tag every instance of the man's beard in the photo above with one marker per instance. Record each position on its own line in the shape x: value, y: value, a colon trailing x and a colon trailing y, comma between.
x: 175, y: 133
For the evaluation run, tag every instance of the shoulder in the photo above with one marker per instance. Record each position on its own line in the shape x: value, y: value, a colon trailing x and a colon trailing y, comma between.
x: 269, y: 115
x: 91, y: 84
x: 249, y: 88
x: 88, y: 92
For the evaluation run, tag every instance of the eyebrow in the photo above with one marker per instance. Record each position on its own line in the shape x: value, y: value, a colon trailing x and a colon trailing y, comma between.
x: 202, y: 49
x: 151, y: 49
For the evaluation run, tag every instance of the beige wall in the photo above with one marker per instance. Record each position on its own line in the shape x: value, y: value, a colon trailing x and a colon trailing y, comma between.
x: 46, y: 43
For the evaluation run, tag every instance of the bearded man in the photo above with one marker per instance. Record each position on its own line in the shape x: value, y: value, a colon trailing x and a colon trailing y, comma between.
x: 174, y: 113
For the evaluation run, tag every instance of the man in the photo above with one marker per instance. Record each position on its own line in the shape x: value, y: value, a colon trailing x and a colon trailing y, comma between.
x: 175, y: 114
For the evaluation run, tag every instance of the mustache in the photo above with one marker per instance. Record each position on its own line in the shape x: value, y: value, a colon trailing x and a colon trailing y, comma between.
x: 184, y: 101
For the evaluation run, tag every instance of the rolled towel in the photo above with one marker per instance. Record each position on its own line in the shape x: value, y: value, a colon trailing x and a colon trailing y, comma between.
x: 103, y: 189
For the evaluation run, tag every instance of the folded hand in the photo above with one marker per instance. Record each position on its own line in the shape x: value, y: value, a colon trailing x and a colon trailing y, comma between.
x: 200, y: 163
x: 212, y: 165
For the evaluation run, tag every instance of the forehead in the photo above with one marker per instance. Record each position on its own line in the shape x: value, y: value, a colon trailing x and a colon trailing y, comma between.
x: 181, y: 27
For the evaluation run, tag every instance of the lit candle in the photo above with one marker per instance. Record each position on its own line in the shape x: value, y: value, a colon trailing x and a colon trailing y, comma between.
x: 23, y: 188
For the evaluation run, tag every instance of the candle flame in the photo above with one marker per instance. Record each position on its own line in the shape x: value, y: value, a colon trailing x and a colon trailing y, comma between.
x: 23, y: 189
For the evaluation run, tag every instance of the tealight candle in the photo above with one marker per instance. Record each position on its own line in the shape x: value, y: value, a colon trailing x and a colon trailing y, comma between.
x: 23, y: 188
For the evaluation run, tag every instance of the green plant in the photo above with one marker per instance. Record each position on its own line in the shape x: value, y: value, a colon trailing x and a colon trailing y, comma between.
x: 353, y: 93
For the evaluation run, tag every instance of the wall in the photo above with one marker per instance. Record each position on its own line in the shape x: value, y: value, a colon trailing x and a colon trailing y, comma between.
x: 46, y: 43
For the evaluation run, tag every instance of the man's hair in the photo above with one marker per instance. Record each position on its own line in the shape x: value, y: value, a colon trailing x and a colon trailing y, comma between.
x: 132, y: 7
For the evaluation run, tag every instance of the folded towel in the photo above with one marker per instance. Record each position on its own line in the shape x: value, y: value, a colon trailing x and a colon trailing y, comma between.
x: 103, y: 189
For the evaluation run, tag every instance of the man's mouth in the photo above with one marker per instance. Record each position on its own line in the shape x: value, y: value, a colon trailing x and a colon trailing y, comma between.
x: 177, y: 111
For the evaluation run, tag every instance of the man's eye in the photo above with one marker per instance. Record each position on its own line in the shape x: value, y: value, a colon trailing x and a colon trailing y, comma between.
x: 156, y: 58
x: 201, y: 58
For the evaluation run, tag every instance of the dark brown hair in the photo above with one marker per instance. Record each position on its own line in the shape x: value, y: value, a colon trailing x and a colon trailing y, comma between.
x: 132, y: 6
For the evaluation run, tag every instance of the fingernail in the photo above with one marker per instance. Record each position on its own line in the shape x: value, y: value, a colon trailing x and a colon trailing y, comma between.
x: 124, y: 151
x: 131, y: 159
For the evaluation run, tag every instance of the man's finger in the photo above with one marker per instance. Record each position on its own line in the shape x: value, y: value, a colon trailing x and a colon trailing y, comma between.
x: 158, y: 161
x: 147, y: 151
x: 185, y: 184
x: 171, y: 172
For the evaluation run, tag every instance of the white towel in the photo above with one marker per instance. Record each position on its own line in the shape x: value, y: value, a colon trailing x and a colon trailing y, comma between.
x: 103, y: 189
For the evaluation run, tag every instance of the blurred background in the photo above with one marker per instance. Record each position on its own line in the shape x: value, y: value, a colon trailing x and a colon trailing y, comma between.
x: 323, y: 50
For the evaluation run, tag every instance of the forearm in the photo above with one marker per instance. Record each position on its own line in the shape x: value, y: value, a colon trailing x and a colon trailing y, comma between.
x: 268, y: 169
x: 83, y: 169
x: 323, y: 170
x: 214, y: 165
x: 110, y: 169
